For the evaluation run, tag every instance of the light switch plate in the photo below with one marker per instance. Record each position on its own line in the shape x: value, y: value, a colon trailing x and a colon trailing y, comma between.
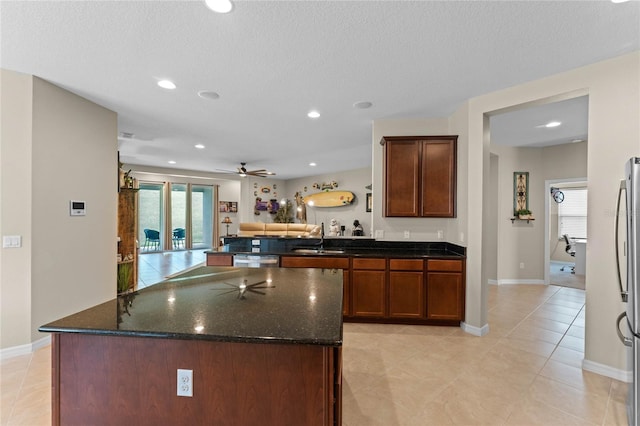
x: 11, y: 241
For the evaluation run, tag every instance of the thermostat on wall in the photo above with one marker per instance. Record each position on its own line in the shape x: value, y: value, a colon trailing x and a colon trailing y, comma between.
x: 77, y: 208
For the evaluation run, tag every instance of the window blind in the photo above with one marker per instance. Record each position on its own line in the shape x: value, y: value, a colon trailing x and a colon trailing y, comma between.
x: 572, y: 213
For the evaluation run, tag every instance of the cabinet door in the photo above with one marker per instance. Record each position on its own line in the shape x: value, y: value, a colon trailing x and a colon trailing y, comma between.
x: 402, y: 178
x: 445, y: 296
x: 368, y: 292
x: 406, y: 294
x: 438, y: 191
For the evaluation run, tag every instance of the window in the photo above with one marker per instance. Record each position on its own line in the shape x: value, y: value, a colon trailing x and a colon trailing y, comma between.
x: 572, y: 213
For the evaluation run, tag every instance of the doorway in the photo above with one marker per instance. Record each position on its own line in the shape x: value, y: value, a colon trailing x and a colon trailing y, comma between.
x: 566, y: 215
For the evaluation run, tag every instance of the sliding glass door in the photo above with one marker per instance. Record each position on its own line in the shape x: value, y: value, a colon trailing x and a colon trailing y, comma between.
x: 176, y: 216
x: 150, y: 217
x: 202, y: 216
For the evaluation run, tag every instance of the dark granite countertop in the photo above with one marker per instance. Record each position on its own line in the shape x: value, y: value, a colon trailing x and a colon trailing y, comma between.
x: 279, y: 305
x: 356, y: 247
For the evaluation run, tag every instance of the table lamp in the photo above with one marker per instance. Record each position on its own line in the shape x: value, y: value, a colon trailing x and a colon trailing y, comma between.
x: 227, y: 221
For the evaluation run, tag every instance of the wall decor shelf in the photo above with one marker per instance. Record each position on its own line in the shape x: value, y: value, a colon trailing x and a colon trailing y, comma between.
x: 513, y: 219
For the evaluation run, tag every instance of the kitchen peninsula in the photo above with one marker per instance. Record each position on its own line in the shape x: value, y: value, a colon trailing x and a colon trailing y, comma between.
x: 396, y: 282
x: 263, y: 346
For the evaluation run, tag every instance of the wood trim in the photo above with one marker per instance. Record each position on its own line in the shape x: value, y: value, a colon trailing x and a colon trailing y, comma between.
x: 219, y: 259
x: 55, y: 379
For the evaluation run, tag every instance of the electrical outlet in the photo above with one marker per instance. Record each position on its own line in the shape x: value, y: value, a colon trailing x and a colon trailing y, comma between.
x: 440, y: 234
x: 521, y: 265
x: 407, y: 234
x: 185, y: 382
x: 379, y: 233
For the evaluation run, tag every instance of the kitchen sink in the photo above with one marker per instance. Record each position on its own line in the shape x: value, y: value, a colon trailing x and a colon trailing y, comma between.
x: 318, y: 251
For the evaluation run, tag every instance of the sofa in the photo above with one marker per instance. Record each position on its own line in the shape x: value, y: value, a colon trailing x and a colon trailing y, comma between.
x: 252, y: 229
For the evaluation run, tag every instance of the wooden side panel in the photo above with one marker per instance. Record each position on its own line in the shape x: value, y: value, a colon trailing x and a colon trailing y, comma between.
x: 369, y: 293
x: 346, y: 293
x: 219, y: 260
x: 130, y: 380
x: 406, y: 294
x: 445, y: 296
x: 314, y: 262
x: 402, y: 178
x: 438, y: 178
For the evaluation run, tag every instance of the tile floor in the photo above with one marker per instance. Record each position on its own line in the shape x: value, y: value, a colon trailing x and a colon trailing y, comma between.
x: 526, y: 371
x: 155, y: 267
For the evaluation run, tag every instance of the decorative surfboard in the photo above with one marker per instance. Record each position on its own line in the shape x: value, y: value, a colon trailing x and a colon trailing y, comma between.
x: 329, y: 199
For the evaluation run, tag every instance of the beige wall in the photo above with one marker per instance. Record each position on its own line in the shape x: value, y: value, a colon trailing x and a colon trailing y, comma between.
x: 613, y: 87
x: 15, y: 190
x: 354, y: 181
x: 65, y: 147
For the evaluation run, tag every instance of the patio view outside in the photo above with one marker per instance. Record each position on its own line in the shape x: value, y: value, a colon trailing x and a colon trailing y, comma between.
x: 151, y: 214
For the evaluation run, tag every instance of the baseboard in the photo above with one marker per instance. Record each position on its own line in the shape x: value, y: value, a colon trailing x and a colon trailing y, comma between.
x: 492, y: 282
x: 512, y: 282
x: 476, y: 331
x: 605, y: 370
x: 24, y: 349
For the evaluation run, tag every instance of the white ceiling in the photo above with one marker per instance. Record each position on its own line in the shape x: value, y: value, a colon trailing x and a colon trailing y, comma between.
x: 273, y: 61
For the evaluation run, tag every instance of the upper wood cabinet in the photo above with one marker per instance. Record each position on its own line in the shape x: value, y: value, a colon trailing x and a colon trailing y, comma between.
x: 420, y: 176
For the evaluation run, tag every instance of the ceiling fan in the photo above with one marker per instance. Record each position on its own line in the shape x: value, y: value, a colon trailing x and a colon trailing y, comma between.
x: 243, y: 172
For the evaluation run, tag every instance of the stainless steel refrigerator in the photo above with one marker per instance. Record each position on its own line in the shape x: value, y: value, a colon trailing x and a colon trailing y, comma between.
x: 629, y: 193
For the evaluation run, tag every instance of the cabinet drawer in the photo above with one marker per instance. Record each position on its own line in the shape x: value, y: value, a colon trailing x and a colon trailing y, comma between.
x: 369, y: 263
x: 444, y: 265
x: 406, y: 264
x: 314, y: 262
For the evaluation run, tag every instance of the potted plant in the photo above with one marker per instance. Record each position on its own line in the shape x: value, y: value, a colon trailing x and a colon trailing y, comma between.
x: 125, y: 272
x: 524, y: 214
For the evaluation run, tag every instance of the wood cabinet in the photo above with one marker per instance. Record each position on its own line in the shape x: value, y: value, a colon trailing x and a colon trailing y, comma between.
x: 368, y: 283
x: 127, y: 234
x: 219, y: 259
x: 420, y: 176
x: 395, y: 290
x: 406, y: 288
x: 445, y: 290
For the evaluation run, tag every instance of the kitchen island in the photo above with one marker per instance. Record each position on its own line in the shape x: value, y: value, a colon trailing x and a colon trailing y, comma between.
x: 263, y: 346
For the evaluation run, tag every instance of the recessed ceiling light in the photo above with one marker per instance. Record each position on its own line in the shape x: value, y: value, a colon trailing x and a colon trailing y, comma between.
x: 312, y: 164
x: 577, y: 140
x: 313, y: 114
x: 171, y: 162
x: 219, y: 6
x: 552, y: 124
x: 208, y: 94
x: 167, y: 84
x: 619, y: 1
x: 199, y: 146
x: 363, y: 105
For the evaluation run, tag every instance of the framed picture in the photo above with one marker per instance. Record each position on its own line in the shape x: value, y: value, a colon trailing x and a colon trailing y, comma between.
x: 369, y: 202
x: 520, y: 191
x: 228, y: 206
